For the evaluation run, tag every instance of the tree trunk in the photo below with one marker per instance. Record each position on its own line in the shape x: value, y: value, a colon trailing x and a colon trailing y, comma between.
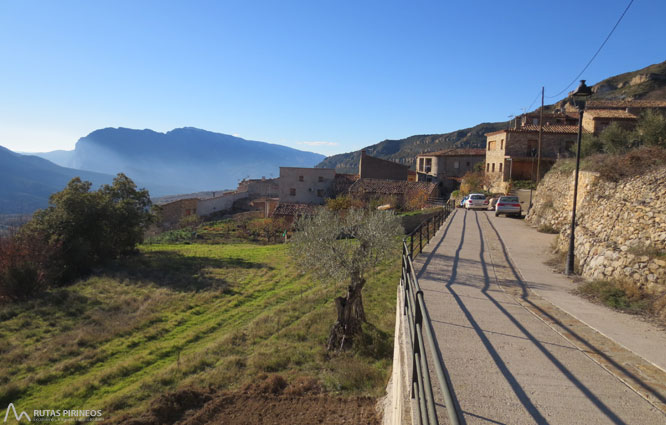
x: 351, y: 315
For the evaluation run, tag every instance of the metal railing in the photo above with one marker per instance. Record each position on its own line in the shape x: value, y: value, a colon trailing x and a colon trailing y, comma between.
x: 428, y: 228
x: 420, y: 330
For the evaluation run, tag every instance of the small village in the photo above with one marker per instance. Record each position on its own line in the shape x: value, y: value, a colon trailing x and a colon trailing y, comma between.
x: 523, y: 153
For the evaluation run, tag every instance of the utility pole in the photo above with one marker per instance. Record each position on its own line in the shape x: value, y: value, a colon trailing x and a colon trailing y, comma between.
x: 538, y: 178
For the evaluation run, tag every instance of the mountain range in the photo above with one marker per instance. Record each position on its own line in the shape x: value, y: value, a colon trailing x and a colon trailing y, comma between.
x: 28, y: 181
x: 188, y: 159
x: 647, y: 83
x: 183, y: 160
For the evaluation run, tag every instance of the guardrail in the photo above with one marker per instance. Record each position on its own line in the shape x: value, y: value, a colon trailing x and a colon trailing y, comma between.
x: 428, y: 228
x: 418, y: 320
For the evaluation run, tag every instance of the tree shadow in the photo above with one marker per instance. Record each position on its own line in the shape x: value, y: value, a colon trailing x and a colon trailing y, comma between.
x: 178, y: 272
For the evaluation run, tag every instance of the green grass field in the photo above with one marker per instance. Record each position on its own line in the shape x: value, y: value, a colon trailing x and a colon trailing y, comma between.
x: 187, y: 315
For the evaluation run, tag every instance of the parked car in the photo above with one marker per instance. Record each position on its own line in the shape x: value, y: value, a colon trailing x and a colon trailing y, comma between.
x: 462, y: 203
x: 509, y: 206
x: 476, y: 200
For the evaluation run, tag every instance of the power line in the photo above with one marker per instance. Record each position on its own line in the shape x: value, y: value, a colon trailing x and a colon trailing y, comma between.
x: 532, y: 104
x: 597, y: 52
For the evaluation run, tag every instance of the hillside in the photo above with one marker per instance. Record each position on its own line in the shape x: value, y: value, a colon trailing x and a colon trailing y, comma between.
x: 404, y: 151
x: 28, y: 181
x: 183, y: 160
x: 192, y: 319
x: 647, y: 83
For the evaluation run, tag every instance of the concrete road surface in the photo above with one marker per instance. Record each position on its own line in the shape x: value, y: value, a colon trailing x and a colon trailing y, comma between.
x: 508, y: 361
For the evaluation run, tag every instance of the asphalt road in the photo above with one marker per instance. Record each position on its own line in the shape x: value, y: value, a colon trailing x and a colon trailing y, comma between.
x: 506, y: 364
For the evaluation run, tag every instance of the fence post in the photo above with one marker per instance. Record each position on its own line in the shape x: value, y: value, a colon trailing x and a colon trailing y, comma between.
x: 420, y: 239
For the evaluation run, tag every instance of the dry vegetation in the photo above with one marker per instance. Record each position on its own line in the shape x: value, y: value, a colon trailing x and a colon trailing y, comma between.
x: 183, y: 316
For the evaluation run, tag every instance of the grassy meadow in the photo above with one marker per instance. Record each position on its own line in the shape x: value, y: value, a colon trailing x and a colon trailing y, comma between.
x: 177, y: 316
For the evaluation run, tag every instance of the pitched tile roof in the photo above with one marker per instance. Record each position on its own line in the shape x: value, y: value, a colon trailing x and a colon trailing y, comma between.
x: 295, y: 210
x: 602, y: 104
x: 456, y: 152
x: 390, y: 187
x: 610, y: 113
x: 553, y: 128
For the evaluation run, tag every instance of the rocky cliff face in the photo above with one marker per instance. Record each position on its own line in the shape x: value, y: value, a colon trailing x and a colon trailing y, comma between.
x: 621, y: 226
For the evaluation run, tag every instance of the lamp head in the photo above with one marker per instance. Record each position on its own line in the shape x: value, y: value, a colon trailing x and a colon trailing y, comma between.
x: 580, y: 95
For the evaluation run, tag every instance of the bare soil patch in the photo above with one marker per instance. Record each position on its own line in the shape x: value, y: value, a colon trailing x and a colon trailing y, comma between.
x: 269, y: 402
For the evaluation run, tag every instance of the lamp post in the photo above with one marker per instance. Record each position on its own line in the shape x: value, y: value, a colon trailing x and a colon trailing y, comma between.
x: 580, y: 96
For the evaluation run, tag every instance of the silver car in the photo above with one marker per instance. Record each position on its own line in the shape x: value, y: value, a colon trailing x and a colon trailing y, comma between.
x: 476, y: 200
x: 508, y: 205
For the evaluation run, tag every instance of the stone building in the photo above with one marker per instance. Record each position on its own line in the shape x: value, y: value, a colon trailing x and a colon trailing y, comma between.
x: 511, y: 154
x: 596, y: 120
x: 446, y: 167
x: 370, y: 167
x: 173, y: 212
x: 306, y: 185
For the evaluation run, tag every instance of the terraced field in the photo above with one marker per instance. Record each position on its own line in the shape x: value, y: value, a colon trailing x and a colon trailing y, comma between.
x: 181, y: 316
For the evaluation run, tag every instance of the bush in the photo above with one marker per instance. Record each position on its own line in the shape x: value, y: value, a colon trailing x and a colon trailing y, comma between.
x: 615, y: 139
x: 92, y: 227
x: 651, y: 129
x: 25, y: 267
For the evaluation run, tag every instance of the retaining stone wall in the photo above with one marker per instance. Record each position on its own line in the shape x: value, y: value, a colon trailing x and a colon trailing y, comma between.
x: 618, y: 224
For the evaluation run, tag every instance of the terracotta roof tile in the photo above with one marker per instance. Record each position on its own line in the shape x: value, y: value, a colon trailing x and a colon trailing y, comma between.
x: 610, y: 113
x: 390, y: 187
x: 456, y: 152
x: 603, y: 104
x: 295, y: 210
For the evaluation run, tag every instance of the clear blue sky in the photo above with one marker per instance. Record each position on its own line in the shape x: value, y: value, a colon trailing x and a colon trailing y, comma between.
x: 342, y: 74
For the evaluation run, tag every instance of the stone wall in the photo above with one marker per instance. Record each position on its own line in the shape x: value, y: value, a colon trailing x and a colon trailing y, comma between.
x: 621, y: 226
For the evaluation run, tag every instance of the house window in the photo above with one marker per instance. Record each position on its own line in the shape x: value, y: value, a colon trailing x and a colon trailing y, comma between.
x: 456, y: 164
x: 320, y: 193
x: 502, y: 144
x: 491, y: 145
x: 488, y: 167
x: 292, y: 192
x: 300, y: 178
x: 428, y: 165
x: 320, y: 179
x: 468, y: 164
x: 493, y: 167
x: 500, y: 167
x: 420, y: 164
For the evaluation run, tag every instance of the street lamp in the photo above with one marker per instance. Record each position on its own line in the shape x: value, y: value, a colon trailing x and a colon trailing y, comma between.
x: 579, y: 99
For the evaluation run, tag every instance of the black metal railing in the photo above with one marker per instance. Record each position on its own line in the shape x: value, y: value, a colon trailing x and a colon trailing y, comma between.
x: 420, y: 330
x: 426, y: 230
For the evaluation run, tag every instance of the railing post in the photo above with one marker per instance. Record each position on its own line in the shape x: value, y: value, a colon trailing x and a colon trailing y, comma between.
x: 420, y: 239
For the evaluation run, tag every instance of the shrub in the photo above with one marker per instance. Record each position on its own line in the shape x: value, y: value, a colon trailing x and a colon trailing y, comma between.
x: 25, y: 267
x: 651, y: 129
x: 615, y: 139
x: 91, y: 226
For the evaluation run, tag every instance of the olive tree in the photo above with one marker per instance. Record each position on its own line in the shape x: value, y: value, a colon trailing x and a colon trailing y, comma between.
x: 344, y: 247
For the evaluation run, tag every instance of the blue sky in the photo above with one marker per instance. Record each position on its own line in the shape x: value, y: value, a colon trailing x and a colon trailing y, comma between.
x: 325, y: 76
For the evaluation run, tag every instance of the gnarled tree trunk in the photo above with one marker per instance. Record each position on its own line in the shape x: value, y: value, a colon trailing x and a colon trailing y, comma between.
x: 351, y: 316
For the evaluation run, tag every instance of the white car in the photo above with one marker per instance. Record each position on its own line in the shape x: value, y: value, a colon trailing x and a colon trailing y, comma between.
x: 476, y: 200
x: 509, y: 206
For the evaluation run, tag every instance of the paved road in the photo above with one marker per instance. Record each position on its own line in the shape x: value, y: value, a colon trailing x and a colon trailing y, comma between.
x: 506, y: 363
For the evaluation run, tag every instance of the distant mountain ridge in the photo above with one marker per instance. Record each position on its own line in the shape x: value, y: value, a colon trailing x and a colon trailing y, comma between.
x: 404, y: 151
x: 182, y: 160
x: 28, y: 181
x: 648, y: 83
